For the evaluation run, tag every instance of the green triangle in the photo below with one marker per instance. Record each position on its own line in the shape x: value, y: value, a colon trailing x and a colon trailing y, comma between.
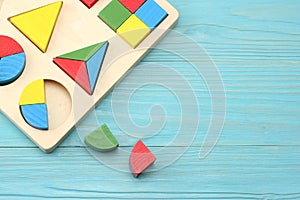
x: 83, y: 54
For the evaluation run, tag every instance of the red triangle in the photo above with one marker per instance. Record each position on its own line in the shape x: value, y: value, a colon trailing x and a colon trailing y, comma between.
x: 77, y: 70
x: 140, y: 159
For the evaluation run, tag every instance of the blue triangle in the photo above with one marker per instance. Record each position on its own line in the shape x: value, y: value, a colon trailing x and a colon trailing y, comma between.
x: 36, y: 115
x: 94, y: 65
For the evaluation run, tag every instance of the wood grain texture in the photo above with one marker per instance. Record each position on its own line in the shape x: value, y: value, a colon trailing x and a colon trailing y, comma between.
x: 255, y: 45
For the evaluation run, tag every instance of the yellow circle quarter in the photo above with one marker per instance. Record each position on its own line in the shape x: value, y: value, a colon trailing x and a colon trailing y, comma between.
x: 34, y: 93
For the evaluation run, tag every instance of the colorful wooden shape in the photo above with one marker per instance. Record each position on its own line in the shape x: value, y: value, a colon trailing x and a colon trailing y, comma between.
x: 132, y: 5
x: 101, y: 140
x: 36, y: 115
x: 84, y: 65
x: 9, y: 46
x: 83, y: 54
x: 89, y: 3
x: 11, y: 67
x: 38, y: 24
x: 94, y: 65
x: 133, y: 31
x: 12, y: 60
x: 140, y: 159
x: 114, y: 14
x: 77, y: 70
x: 34, y: 93
x: 151, y: 14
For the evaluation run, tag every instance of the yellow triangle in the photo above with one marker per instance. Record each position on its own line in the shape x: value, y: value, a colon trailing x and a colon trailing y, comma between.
x: 34, y: 93
x: 38, y: 24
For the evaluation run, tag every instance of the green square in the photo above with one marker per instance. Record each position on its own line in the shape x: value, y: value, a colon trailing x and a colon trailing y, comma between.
x: 114, y: 14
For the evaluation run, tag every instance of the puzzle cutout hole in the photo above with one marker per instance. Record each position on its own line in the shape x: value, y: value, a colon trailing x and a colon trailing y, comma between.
x: 48, y: 108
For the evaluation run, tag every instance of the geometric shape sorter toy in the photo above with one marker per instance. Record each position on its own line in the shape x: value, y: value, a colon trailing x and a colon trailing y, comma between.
x: 54, y: 53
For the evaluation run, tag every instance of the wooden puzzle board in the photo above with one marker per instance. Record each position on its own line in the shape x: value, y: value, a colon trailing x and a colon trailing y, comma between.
x: 77, y: 27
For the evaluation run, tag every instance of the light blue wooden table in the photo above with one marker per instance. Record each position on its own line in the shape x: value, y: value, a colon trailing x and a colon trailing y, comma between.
x: 256, y: 47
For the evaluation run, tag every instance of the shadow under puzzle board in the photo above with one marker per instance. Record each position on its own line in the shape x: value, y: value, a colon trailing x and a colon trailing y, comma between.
x: 76, y: 27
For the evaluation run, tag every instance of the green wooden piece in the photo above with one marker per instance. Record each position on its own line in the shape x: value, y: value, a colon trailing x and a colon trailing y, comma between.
x: 114, y: 14
x: 102, y: 139
x: 83, y: 54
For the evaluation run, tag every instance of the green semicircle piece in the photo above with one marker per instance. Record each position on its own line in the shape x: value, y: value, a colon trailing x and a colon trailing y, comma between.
x: 101, y: 139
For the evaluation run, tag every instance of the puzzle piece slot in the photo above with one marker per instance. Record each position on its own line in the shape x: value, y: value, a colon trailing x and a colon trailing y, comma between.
x: 45, y: 104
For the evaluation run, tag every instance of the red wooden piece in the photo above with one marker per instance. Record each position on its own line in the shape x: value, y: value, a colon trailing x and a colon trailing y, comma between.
x: 77, y: 70
x: 9, y: 46
x: 132, y: 5
x: 89, y: 3
x: 140, y: 159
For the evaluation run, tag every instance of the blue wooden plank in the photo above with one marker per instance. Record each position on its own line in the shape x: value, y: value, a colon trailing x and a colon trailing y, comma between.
x: 230, y: 172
